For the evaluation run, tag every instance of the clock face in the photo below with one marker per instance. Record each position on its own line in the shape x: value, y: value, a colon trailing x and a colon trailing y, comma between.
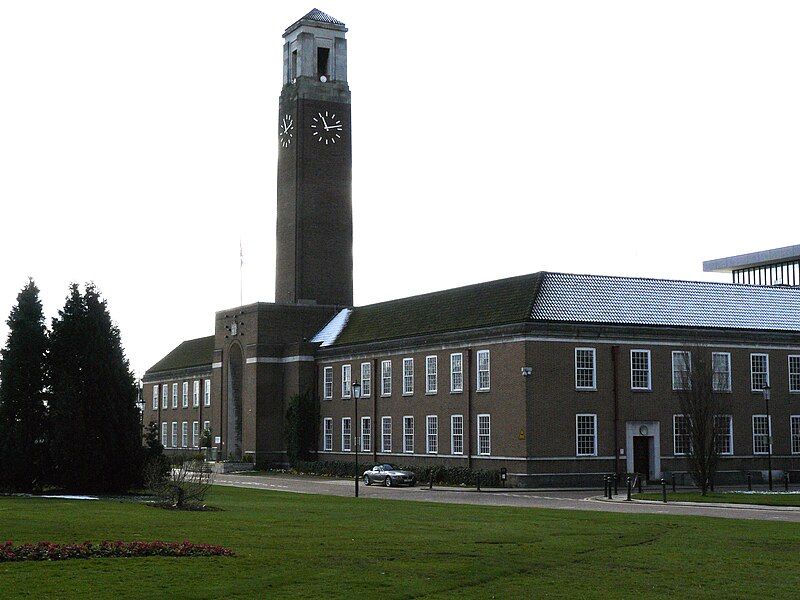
x: 326, y: 128
x: 286, y: 131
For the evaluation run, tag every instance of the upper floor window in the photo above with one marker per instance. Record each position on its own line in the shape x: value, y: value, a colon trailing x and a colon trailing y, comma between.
x: 431, y: 374
x: 155, y: 397
x: 196, y: 393
x: 174, y: 395
x: 185, y: 395
x: 327, y: 391
x: 207, y: 393
x: 721, y: 365
x: 346, y: 381
x: 681, y: 370
x: 408, y: 376
x: 585, y: 369
x: 759, y: 371
x: 483, y: 370
x: 366, y: 379
x: 794, y: 373
x: 457, y: 372
x: 165, y: 396
x: 386, y: 378
x: 586, y: 435
x: 640, y: 370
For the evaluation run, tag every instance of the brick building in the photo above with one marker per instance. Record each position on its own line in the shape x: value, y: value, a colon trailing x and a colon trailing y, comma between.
x: 557, y: 377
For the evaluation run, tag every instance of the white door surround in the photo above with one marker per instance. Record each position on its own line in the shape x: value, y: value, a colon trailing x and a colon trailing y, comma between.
x: 652, y: 430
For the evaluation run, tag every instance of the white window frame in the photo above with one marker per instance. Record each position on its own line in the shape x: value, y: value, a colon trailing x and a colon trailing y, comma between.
x: 727, y: 385
x: 677, y: 436
x: 195, y: 434
x: 456, y: 433
x: 754, y: 373
x: 431, y: 374
x: 366, y: 379
x: 174, y: 434
x: 386, y: 423
x: 728, y: 434
x: 155, y: 397
x: 327, y: 383
x: 794, y: 434
x: 207, y: 393
x: 207, y: 425
x: 366, y: 434
x: 174, y: 395
x: 196, y: 393
x: 386, y: 378
x: 408, y: 438
x: 484, y: 437
x: 347, y: 382
x: 769, y: 434
x: 327, y: 434
x: 347, y: 436
x: 483, y: 376
x: 432, y: 434
x: 649, y: 386
x: 185, y: 434
x: 678, y: 373
x: 583, y: 369
x: 793, y: 364
x: 581, y: 436
x: 165, y: 396
x: 408, y: 377
x: 456, y: 372
x: 185, y: 395
x: 165, y: 434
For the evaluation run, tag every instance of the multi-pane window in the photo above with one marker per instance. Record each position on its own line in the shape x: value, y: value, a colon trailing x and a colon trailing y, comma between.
x: 723, y: 433
x: 207, y: 427
x: 794, y: 373
x: 164, y: 440
x: 681, y: 370
x: 327, y: 439
x: 408, y: 376
x: 366, y: 434
x: 640, y: 370
x: 184, y: 434
x: 759, y: 371
x: 366, y: 379
x: 346, y: 371
x: 174, y: 395
x: 155, y: 397
x: 174, y: 434
x: 457, y: 372
x: 164, y: 396
x: 761, y: 434
x: 328, y: 383
x: 431, y: 374
x: 408, y: 434
x: 195, y: 434
x: 681, y: 435
x: 585, y: 369
x: 196, y: 393
x: 483, y: 370
x: 185, y: 395
x: 484, y: 435
x: 721, y: 365
x: 386, y: 434
x: 207, y: 393
x: 346, y: 434
x: 457, y: 434
x: 586, y: 435
x: 794, y: 422
x: 386, y: 378
x: 432, y: 434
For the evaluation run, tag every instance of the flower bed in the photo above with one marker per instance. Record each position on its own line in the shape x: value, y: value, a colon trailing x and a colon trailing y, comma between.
x: 106, y: 549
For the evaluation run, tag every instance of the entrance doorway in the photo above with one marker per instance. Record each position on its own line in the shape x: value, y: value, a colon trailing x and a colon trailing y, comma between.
x: 641, y: 455
x: 642, y: 449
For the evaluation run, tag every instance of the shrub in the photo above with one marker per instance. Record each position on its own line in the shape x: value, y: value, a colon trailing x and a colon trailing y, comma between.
x: 186, y: 486
x: 106, y: 549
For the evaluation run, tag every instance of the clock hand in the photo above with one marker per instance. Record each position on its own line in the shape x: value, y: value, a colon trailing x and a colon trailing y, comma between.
x: 324, y: 123
x: 333, y: 127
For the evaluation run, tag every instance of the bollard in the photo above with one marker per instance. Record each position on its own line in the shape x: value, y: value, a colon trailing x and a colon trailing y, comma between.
x: 749, y: 482
x: 786, y: 481
x: 663, y: 490
x: 605, y: 486
x: 673, y: 483
x: 616, y: 480
x: 639, y: 482
x: 479, y: 483
x: 430, y: 481
x: 629, y: 488
x: 610, y: 489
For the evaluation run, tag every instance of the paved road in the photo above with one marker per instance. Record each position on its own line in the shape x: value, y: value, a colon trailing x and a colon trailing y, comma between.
x: 569, y: 500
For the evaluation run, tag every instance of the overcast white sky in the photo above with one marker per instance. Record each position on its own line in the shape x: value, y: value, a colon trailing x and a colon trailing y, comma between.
x: 138, y: 143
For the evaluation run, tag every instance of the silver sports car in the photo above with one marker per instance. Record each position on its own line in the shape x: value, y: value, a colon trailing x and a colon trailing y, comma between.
x: 388, y: 476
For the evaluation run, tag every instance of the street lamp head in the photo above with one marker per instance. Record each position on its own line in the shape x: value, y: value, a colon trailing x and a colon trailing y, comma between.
x: 765, y: 389
x: 356, y: 390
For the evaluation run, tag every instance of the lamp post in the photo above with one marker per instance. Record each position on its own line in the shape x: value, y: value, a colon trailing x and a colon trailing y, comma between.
x: 766, y: 391
x: 356, y: 395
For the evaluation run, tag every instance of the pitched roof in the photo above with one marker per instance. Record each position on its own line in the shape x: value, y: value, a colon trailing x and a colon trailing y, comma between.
x: 317, y: 15
x: 569, y: 298
x: 191, y: 353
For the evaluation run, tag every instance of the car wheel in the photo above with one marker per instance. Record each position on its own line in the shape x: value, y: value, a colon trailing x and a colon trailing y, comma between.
x: 388, y: 481
x: 367, y: 480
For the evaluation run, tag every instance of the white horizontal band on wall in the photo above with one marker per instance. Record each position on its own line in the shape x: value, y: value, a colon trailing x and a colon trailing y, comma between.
x: 278, y: 360
x: 216, y: 365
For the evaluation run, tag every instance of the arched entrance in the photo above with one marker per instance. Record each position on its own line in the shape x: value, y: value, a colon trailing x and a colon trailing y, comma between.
x: 235, y: 363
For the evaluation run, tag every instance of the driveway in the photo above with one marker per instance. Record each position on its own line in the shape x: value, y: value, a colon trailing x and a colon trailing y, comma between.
x: 568, y: 500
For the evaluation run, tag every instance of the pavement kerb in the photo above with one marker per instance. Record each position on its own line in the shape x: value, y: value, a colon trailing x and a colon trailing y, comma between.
x: 728, y: 505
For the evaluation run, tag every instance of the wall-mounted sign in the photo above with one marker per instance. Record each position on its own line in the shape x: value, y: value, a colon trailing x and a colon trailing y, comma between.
x: 217, y: 439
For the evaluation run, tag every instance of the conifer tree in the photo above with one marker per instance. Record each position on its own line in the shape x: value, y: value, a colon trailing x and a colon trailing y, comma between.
x: 23, y: 405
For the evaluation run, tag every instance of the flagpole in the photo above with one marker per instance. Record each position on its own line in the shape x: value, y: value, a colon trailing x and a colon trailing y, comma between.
x: 241, y: 275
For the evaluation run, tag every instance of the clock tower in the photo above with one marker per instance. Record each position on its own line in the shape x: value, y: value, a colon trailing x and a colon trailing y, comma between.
x: 315, y: 217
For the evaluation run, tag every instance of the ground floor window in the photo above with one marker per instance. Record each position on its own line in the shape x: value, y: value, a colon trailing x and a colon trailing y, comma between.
x: 346, y: 434
x: 484, y: 435
x: 366, y: 433
x: 795, y: 427
x: 184, y: 434
x: 586, y: 435
x: 386, y: 439
x: 681, y: 438
x: 761, y: 434
x: 164, y: 440
x: 432, y: 438
x: 327, y: 439
x: 174, y: 434
x: 195, y: 433
x: 723, y: 430
x: 457, y: 434
x: 207, y: 427
x: 408, y: 434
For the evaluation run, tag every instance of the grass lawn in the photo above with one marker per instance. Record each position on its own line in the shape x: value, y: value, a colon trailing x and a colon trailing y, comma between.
x: 308, y: 546
x: 727, y: 497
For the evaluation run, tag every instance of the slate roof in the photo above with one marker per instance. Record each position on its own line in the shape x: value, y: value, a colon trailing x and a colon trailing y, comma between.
x: 569, y: 298
x: 317, y: 15
x: 191, y: 353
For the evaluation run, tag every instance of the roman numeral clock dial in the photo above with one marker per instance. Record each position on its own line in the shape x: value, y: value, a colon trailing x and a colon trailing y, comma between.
x: 326, y: 128
x: 286, y: 131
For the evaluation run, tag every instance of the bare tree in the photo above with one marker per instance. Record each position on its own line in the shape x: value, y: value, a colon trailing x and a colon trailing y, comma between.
x: 185, y: 487
x: 698, y: 428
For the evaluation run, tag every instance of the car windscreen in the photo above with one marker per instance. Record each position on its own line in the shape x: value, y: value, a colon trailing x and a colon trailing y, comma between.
x: 388, y: 467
